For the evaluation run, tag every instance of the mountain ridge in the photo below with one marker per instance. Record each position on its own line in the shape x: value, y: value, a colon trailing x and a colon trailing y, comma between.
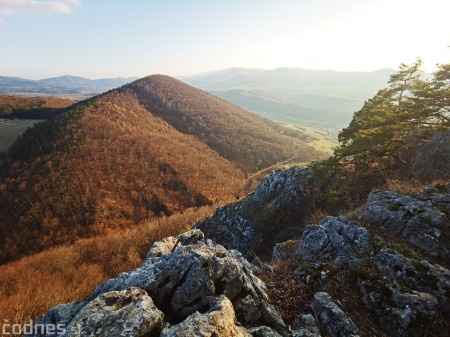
x: 66, y: 84
x: 321, y: 98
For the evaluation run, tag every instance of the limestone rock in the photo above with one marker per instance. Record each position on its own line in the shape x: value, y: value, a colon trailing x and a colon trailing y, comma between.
x: 333, y: 240
x: 438, y: 200
x: 420, y: 275
x: 400, y: 313
x: 163, y: 246
x: 217, y: 320
x: 269, y: 215
x: 263, y: 331
x: 180, y: 284
x: 305, y: 326
x: 198, y: 282
x: 117, y: 313
x: 332, y: 317
x: 59, y: 315
x: 417, y: 221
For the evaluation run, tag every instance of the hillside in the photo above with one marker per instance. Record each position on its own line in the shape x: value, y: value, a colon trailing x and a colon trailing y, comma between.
x: 222, y: 125
x: 31, y: 107
x: 320, y: 98
x: 112, y: 162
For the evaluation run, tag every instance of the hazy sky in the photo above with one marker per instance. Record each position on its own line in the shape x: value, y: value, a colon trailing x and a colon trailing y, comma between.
x: 108, y: 38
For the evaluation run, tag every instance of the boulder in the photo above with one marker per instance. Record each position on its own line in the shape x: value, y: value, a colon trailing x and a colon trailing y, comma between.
x: 182, y: 282
x: 400, y: 313
x: 269, y: 215
x: 332, y: 317
x: 334, y: 240
x: 194, y: 282
x: 58, y: 317
x: 218, y: 320
x: 417, y: 221
x: 117, y: 313
x: 432, y: 160
x: 305, y: 326
x: 420, y: 275
x: 164, y: 246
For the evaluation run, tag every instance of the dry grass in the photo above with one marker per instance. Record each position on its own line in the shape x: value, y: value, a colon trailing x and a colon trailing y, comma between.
x: 289, y: 296
x: 403, y: 186
x: 292, y: 297
x: 315, y: 217
x: 31, y: 285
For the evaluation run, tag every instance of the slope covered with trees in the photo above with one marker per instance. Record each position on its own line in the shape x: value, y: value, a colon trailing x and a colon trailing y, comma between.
x: 242, y: 137
x: 31, y: 107
x: 112, y: 161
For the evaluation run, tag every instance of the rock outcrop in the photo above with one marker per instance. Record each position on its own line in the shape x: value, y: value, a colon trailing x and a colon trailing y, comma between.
x: 334, y: 240
x: 420, y: 275
x: 197, y: 287
x: 269, y: 215
x: 417, y: 221
x: 332, y: 317
x: 305, y: 326
x: 114, y: 313
x: 219, y: 320
x: 400, y: 313
x: 433, y: 158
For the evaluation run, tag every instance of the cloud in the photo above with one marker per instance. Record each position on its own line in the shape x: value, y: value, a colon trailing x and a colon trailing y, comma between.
x: 11, y: 7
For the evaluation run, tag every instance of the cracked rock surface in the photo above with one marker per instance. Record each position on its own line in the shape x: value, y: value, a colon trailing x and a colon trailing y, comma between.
x: 332, y: 317
x: 400, y: 313
x: 199, y: 284
x: 305, y: 326
x: 421, y: 275
x: 335, y: 240
x: 417, y: 221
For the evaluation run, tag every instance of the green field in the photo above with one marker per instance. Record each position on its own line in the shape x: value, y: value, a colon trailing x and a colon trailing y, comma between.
x: 10, y: 129
x: 321, y: 139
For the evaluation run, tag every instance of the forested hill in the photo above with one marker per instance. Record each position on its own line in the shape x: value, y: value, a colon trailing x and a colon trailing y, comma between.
x: 149, y: 149
x: 242, y: 137
x: 31, y: 107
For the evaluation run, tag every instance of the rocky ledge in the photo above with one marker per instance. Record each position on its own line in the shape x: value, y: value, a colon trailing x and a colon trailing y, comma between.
x: 187, y: 286
x: 420, y: 220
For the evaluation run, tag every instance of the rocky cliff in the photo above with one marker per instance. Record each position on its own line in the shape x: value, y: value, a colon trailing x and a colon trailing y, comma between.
x: 273, y: 213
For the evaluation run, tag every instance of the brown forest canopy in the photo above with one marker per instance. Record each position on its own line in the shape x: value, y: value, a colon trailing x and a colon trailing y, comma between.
x: 148, y: 149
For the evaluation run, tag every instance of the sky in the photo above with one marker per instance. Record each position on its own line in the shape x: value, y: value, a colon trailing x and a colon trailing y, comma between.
x: 112, y: 38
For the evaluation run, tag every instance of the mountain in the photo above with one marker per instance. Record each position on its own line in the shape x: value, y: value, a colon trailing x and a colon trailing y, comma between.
x: 60, y: 85
x: 151, y: 148
x: 322, y: 98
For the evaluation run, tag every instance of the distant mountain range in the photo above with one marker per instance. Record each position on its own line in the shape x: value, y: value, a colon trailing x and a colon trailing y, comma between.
x: 321, y: 98
x: 72, y: 85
